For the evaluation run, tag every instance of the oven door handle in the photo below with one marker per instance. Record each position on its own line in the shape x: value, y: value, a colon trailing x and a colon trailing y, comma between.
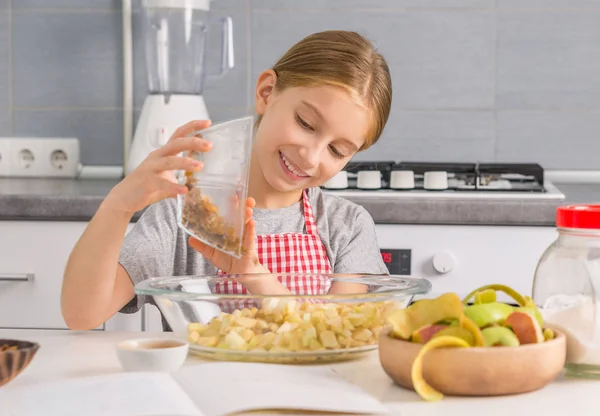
x: 17, y: 277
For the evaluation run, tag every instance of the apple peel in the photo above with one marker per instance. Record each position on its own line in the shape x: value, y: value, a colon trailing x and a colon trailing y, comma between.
x: 468, y: 324
x: 521, y: 301
x: 458, y: 332
x: 425, y: 333
x: 421, y: 386
x: 484, y: 296
x: 424, y: 312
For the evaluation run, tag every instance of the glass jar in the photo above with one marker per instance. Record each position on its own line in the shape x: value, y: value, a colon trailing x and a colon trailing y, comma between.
x: 566, y: 287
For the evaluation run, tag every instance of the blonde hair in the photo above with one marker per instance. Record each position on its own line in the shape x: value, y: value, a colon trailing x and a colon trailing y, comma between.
x: 345, y: 60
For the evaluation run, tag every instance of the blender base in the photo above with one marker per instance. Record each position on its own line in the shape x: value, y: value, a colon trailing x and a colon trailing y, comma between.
x: 158, y: 120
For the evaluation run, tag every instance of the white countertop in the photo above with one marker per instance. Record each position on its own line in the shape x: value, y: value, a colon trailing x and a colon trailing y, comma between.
x: 70, y: 354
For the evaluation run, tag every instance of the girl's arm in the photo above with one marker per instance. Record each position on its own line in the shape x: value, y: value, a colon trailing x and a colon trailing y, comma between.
x: 95, y: 286
x: 361, y: 254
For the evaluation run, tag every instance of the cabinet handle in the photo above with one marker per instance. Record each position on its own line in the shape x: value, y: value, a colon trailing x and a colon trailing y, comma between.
x: 16, y: 277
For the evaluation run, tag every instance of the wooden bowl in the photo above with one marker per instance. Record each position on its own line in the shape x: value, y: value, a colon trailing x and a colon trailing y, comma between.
x: 491, y: 371
x: 13, y: 362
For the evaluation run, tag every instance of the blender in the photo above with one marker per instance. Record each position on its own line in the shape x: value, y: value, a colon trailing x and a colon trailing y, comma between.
x: 176, y: 34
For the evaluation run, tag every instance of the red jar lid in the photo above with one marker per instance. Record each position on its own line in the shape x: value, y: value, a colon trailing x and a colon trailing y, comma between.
x: 578, y: 216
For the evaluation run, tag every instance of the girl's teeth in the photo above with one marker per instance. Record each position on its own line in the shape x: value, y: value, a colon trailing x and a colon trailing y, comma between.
x: 290, y: 168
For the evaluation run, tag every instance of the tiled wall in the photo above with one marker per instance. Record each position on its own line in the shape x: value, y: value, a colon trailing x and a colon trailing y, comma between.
x: 505, y: 80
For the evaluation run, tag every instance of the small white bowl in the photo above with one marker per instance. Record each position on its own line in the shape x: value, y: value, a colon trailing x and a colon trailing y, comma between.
x: 152, y: 354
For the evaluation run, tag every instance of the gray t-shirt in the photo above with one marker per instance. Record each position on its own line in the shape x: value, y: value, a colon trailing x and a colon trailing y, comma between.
x: 157, y: 247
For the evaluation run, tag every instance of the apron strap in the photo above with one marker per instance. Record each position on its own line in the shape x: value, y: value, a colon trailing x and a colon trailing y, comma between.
x: 309, y: 217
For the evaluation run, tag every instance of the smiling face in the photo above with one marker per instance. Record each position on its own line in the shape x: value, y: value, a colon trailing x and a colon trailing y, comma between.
x: 306, y: 134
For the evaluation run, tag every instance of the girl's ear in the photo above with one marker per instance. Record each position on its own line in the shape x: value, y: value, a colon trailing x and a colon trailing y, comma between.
x: 264, y: 89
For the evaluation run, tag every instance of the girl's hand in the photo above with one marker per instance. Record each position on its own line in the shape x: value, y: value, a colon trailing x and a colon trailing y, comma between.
x: 248, y: 263
x: 154, y: 179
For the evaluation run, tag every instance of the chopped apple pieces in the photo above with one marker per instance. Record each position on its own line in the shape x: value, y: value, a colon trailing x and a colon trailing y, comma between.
x: 284, y: 325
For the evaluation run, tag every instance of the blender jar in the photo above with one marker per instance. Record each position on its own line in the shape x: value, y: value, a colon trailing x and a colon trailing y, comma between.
x: 176, y: 34
x: 213, y: 210
x: 566, y: 287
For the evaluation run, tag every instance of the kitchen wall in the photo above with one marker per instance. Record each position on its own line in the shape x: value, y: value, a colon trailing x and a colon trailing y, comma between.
x: 503, y: 80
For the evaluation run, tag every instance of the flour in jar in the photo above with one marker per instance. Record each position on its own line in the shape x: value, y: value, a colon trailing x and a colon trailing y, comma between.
x: 578, y: 318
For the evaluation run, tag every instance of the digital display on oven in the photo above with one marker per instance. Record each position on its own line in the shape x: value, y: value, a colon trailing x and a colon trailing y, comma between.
x: 397, y: 260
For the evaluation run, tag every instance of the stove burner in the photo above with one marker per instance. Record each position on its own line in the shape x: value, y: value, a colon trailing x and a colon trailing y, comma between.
x: 515, y: 176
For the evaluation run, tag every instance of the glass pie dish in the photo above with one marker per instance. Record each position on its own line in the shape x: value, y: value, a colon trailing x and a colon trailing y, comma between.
x: 324, y: 317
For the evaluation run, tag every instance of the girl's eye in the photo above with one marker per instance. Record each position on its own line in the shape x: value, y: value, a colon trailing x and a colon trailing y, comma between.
x: 303, y: 123
x: 336, y: 152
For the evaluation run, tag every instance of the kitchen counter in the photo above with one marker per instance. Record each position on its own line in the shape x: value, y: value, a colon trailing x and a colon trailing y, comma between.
x: 78, y: 200
x: 70, y: 354
x: 52, y: 199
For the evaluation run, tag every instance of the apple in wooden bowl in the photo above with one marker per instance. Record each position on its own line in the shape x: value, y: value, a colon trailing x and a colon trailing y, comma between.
x: 488, y: 348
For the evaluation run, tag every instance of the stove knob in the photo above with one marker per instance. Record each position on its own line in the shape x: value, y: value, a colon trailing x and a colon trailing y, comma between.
x: 339, y: 181
x: 444, y: 262
x: 435, y: 180
x: 402, y: 179
x: 369, y: 179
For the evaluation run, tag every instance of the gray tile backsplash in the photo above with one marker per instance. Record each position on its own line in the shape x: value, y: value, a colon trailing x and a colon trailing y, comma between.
x: 4, y: 62
x: 548, y: 60
x: 474, y: 80
x: 559, y: 139
x: 442, y: 60
x: 66, y: 4
x: 5, y: 121
x: 462, y: 136
x: 530, y: 4
x: 67, y: 59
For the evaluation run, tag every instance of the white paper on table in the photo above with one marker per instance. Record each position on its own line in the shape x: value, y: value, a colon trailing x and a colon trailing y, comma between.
x: 210, y: 389
x: 225, y: 388
x: 148, y: 394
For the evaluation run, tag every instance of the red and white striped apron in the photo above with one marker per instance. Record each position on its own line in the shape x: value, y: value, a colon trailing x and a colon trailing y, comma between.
x: 291, y: 253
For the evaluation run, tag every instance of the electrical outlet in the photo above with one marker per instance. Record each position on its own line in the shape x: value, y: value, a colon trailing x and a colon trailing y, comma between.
x: 4, y: 157
x: 24, y: 157
x: 60, y: 157
x: 39, y: 157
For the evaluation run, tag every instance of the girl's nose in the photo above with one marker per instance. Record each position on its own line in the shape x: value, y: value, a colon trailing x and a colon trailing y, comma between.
x: 311, y: 155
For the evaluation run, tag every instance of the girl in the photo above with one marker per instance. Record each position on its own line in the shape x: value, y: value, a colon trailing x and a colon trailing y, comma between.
x: 327, y: 98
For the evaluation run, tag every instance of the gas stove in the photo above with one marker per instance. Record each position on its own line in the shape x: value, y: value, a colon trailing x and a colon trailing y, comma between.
x: 443, y: 180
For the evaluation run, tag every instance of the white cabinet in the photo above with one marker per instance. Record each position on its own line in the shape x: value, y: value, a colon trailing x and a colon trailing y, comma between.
x: 33, y: 255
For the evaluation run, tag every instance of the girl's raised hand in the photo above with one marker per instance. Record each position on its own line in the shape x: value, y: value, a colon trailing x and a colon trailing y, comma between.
x: 154, y: 179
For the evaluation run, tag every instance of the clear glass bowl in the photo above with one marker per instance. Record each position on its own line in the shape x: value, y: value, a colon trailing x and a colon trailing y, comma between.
x: 223, y: 320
